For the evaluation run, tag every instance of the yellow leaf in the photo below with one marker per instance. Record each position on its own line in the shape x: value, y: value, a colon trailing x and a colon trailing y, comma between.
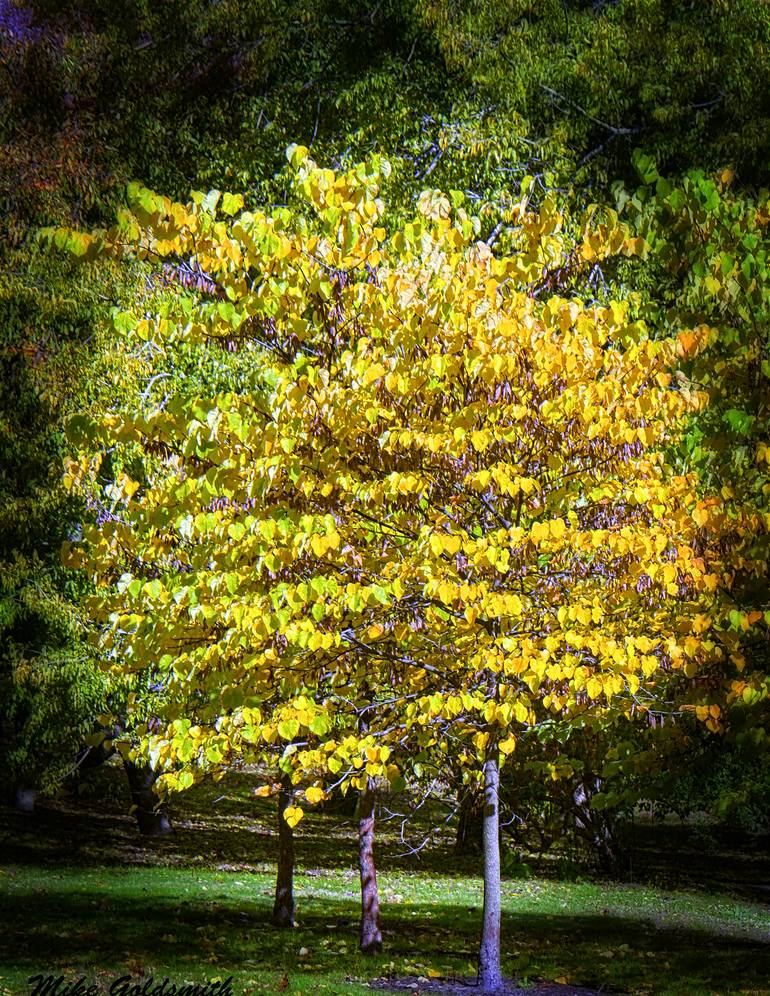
x: 318, y: 545
x: 700, y: 515
x: 508, y: 745
x: 584, y: 615
x: 480, y: 440
x: 333, y: 540
x: 452, y: 544
x: 374, y: 372
x: 292, y: 815
x: 594, y: 686
x: 557, y: 528
x: 520, y: 712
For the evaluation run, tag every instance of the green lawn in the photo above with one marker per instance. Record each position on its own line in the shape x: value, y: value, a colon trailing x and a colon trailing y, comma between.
x: 166, y: 910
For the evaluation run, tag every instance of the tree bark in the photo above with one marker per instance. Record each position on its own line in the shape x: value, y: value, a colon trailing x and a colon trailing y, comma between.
x: 151, y: 815
x: 594, y: 826
x: 24, y: 798
x: 283, y: 907
x: 92, y: 757
x: 371, y: 935
x: 96, y: 755
x: 490, y: 976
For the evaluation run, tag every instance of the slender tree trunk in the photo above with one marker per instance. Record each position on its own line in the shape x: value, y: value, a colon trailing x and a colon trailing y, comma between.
x: 151, y: 815
x: 24, y: 798
x: 371, y: 936
x: 93, y: 757
x: 490, y: 976
x: 594, y: 826
x: 283, y: 907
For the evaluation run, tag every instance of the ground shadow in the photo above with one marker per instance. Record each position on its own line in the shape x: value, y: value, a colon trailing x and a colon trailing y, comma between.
x: 117, y: 924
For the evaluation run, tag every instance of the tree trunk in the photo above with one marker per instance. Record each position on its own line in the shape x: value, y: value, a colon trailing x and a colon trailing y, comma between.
x: 283, y: 907
x: 371, y: 936
x: 490, y: 976
x: 98, y: 754
x: 24, y: 798
x: 593, y: 826
x: 151, y: 814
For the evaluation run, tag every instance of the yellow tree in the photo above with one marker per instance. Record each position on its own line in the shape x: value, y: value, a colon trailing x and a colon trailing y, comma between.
x: 442, y: 515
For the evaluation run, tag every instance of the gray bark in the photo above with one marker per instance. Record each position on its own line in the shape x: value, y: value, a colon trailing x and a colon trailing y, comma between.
x: 490, y: 976
x: 24, y: 798
x: 371, y: 935
x: 594, y: 826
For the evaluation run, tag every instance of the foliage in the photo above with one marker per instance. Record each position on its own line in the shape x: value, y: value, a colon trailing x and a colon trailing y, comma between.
x: 50, y: 688
x: 448, y: 501
x: 211, y: 93
x: 593, y: 81
x: 505, y: 103
x: 95, y: 96
x: 708, y: 245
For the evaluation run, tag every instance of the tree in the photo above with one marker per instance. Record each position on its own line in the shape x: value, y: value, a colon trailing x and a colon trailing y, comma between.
x: 283, y: 907
x: 50, y: 686
x: 591, y: 82
x: 446, y: 503
x: 371, y: 936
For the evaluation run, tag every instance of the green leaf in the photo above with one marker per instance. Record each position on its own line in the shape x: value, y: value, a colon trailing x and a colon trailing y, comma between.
x: 154, y: 588
x: 232, y: 203
x: 740, y: 422
x: 236, y: 530
x: 380, y: 594
x: 210, y: 201
x: 319, y: 724
x: 288, y: 729
x: 645, y: 167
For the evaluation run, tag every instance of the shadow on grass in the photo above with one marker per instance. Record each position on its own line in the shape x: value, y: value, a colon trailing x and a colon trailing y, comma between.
x: 69, y: 834
x: 91, y: 894
x: 119, y: 925
x: 223, y: 826
x: 713, y: 859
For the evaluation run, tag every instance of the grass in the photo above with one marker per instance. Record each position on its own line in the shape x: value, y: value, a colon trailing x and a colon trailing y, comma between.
x: 84, y: 896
